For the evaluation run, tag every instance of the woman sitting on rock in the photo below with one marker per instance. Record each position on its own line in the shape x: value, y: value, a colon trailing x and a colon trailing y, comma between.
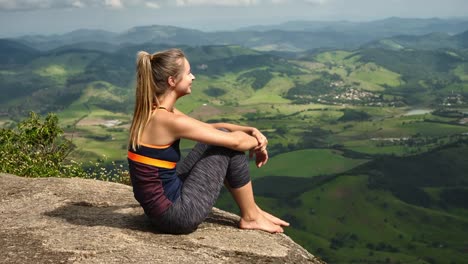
x: 178, y: 195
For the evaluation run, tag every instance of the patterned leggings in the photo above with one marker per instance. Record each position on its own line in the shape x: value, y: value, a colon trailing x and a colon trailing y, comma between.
x: 203, y: 172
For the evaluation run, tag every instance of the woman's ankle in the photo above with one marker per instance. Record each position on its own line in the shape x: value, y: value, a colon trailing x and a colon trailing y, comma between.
x: 251, y: 215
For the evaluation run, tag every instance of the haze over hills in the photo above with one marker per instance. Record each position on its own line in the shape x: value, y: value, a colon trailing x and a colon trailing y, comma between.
x: 115, y: 65
x: 385, y: 27
x: 429, y: 41
x: 368, y: 135
x: 292, y: 36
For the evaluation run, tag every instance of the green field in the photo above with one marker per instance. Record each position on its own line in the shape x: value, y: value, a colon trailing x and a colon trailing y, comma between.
x: 344, y: 222
x: 306, y: 163
x: 333, y: 167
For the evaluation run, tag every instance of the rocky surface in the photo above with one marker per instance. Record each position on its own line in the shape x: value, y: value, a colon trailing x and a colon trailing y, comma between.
x: 72, y: 220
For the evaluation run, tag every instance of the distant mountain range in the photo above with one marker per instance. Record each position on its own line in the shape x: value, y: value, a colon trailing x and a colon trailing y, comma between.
x: 384, y: 27
x: 292, y: 36
x: 359, y: 179
x: 55, y: 70
x: 429, y: 41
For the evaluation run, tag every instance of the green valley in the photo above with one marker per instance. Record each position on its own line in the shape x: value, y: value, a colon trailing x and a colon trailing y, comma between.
x: 368, y: 147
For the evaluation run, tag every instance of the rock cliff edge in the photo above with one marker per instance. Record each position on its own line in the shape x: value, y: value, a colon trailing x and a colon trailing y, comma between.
x: 73, y: 220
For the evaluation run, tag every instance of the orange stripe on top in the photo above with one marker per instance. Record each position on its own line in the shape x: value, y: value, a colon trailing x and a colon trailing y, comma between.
x: 156, y: 146
x: 151, y: 161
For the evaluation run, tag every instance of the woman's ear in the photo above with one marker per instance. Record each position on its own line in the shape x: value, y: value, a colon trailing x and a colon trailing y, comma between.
x: 171, y: 81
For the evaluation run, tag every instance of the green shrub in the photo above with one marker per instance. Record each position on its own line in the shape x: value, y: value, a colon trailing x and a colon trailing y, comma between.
x: 354, y: 115
x: 38, y: 148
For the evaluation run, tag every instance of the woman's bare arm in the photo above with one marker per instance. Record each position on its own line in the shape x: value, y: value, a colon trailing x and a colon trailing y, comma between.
x: 183, y: 126
x: 262, y: 141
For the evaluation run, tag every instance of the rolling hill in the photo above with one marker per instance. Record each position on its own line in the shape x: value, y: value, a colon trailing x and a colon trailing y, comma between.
x: 379, y: 28
x: 431, y: 41
x: 291, y: 37
x: 390, y: 210
x: 361, y: 164
x: 14, y: 53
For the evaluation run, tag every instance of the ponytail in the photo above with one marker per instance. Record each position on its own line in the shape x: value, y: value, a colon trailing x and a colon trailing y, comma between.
x: 152, y: 72
x: 145, y: 97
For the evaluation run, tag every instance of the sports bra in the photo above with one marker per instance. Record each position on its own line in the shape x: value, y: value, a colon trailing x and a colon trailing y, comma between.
x: 153, y: 175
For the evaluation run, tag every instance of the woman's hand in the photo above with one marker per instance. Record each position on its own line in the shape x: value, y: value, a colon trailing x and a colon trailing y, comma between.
x: 261, y: 156
x: 262, y: 140
x: 260, y: 151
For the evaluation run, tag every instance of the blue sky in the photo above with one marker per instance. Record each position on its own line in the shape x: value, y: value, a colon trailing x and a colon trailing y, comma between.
x: 19, y: 17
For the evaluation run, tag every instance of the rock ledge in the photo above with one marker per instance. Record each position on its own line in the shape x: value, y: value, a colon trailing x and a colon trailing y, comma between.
x: 73, y: 220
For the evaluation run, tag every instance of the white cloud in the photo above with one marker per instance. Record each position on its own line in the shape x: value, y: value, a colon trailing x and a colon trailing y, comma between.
x: 279, y: 1
x: 152, y: 5
x: 113, y: 3
x: 47, y: 4
x: 116, y: 4
x: 23, y: 4
x: 296, y: 1
x: 320, y: 2
x: 243, y: 2
x: 77, y: 4
x: 216, y: 2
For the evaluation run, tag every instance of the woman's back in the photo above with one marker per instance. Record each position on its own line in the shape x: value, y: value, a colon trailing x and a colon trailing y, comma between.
x: 154, y: 177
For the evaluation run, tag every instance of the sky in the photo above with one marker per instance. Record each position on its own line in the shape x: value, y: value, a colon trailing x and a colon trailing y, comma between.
x: 24, y: 17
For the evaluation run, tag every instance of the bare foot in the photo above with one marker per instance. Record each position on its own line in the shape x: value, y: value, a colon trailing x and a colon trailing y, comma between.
x: 273, y: 218
x: 260, y: 223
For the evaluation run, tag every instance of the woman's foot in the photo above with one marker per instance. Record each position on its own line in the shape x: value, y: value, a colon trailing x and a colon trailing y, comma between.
x: 273, y: 218
x: 260, y: 222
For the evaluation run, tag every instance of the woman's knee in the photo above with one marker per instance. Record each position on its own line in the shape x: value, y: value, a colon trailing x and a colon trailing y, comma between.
x: 179, y: 227
x: 239, y: 173
x: 183, y: 230
x: 236, y: 183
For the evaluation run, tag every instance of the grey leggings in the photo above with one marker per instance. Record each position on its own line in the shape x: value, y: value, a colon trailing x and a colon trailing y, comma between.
x: 203, y: 172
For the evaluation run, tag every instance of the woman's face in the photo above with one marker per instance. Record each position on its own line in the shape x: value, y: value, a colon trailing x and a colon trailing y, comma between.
x: 184, y: 85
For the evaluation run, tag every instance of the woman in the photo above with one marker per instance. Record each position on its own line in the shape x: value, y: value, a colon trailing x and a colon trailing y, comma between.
x: 177, y: 196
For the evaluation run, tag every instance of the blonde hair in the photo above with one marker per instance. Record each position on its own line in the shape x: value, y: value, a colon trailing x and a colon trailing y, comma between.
x: 152, y: 74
